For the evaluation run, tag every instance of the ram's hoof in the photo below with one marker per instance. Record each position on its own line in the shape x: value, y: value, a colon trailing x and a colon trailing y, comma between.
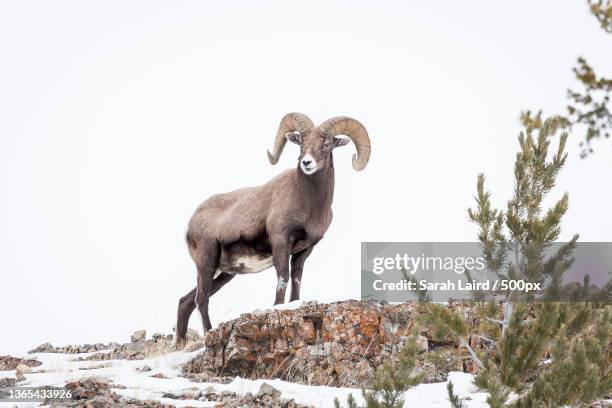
x: 180, y: 344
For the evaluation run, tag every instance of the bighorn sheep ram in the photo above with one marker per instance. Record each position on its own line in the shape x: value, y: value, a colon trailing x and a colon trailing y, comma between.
x: 277, y: 223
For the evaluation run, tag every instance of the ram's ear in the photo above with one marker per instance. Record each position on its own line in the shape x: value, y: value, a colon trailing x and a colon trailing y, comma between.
x: 294, y: 137
x: 340, y: 141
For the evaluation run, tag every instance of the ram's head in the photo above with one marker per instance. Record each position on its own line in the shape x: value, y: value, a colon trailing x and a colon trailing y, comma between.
x: 317, y: 142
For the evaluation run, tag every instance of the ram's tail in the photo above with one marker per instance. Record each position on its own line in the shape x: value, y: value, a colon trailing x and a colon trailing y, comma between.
x: 191, y: 243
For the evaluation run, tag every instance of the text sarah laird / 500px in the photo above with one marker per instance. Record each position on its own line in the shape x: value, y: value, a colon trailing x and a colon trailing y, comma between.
x: 450, y: 285
x: 444, y: 271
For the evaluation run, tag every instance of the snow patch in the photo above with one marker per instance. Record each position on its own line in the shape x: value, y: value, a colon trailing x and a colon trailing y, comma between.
x: 62, y: 368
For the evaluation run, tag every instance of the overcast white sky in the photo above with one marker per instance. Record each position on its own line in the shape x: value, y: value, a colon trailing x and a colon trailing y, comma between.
x: 118, y: 118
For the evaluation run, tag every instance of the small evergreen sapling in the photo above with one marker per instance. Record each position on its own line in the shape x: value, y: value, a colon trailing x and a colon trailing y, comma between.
x: 453, y: 398
x: 391, y: 380
x: 515, y: 241
x: 574, y: 337
x: 422, y: 295
x: 442, y: 362
x: 446, y: 324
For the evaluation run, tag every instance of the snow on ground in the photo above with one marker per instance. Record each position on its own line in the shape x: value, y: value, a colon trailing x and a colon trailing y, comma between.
x: 61, y: 368
x: 435, y: 395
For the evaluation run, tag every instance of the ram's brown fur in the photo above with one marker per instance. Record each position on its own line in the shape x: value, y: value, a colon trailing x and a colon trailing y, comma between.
x: 277, y: 223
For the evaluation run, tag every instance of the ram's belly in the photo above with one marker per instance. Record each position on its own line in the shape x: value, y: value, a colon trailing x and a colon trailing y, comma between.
x: 249, y: 257
x: 243, y: 257
x: 247, y: 264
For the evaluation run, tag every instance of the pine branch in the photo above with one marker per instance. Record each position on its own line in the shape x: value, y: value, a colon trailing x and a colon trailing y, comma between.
x: 473, y: 354
x: 486, y: 339
x: 423, y: 295
x: 453, y: 398
x: 494, y: 320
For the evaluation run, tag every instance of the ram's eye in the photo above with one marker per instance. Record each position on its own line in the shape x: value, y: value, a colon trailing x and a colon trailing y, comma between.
x: 327, y: 144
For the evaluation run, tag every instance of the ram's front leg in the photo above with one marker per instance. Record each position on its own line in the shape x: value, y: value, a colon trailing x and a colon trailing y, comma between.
x: 297, y: 267
x: 281, y: 251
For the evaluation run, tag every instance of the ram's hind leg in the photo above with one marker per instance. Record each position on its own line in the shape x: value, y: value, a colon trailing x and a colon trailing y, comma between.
x: 207, y: 263
x: 185, y: 308
x: 220, y: 281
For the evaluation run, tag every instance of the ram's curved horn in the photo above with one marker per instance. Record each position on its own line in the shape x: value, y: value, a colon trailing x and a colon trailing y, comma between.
x: 342, y: 125
x: 290, y: 123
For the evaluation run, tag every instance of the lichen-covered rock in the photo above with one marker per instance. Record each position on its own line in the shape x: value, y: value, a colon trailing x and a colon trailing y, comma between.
x: 72, y: 349
x: 195, y: 346
x: 138, y: 335
x: 158, y: 345
x: 7, y: 382
x: 338, y: 344
x: 193, y: 335
x: 43, y: 348
x: 20, y: 370
x: 268, y: 390
x: 138, y: 348
x: 87, y: 388
x: 8, y: 363
x: 95, y: 392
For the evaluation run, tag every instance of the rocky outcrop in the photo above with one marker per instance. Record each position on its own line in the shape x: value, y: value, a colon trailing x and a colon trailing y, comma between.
x: 137, y: 349
x: 266, y: 397
x: 338, y: 344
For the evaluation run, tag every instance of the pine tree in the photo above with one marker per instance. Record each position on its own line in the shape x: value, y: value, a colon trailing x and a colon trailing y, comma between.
x: 602, y: 10
x: 515, y: 241
x: 589, y: 106
x: 544, y: 353
x: 391, y: 380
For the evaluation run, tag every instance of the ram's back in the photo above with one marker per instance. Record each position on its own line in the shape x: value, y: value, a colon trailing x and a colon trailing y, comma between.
x: 239, y: 214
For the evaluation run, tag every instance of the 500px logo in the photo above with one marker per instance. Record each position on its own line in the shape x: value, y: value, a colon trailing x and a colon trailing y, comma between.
x: 413, y: 264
